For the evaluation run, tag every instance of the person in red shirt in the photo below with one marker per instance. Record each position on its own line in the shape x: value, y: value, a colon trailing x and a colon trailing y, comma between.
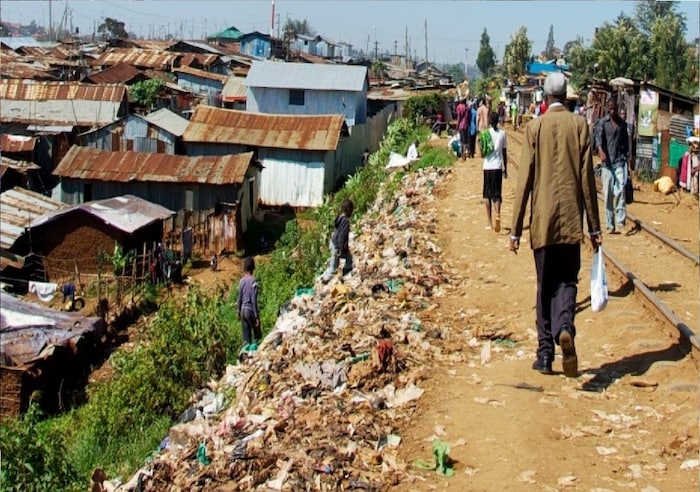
x: 543, y: 108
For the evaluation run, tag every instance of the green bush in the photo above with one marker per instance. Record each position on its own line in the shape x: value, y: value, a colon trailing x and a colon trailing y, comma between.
x: 419, y: 108
x: 34, y: 456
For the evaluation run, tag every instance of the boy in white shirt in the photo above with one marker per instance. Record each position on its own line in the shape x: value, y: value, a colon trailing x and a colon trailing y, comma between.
x: 495, y: 169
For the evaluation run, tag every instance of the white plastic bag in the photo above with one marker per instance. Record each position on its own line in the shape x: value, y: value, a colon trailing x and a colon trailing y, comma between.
x: 599, y: 282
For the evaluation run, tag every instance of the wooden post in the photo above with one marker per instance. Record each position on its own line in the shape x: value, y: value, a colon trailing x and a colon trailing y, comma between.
x: 99, y: 289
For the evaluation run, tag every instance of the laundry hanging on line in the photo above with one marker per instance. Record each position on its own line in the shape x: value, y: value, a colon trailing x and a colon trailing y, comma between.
x: 43, y: 290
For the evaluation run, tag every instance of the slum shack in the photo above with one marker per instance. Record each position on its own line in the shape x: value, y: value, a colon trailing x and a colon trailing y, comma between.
x: 44, y: 354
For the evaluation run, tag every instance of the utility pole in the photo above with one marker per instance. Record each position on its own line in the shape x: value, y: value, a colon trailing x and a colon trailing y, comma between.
x: 50, y: 23
x: 278, y: 25
x: 376, y: 49
x: 466, y: 64
x: 395, y: 44
x: 426, y: 45
x: 407, y: 53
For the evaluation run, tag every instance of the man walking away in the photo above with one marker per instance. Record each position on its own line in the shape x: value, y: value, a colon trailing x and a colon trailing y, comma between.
x: 482, y: 116
x: 612, y: 143
x: 463, y: 127
x: 557, y: 174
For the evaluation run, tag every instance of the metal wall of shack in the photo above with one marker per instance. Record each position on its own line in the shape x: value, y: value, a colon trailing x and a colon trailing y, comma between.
x: 256, y: 46
x: 132, y: 133
x: 174, y: 196
x: 352, y: 105
x: 199, y: 85
x: 295, y: 178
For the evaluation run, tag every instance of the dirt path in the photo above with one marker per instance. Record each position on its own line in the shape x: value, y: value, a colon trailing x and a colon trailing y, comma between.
x: 629, y: 421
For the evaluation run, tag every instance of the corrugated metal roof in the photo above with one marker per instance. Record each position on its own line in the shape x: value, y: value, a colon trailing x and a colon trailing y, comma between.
x: 314, y: 132
x: 30, y: 332
x: 17, y: 143
x: 29, y: 90
x: 282, y: 75
x: 152, y: 44
x: 22, y: 70
x: 203, y: 59
x: 61, y: 113
x: 15, y: 42
x: 202, y: 46
x: 202, y: 74
x: 138, y: 58
x: 18, y: 207
x: 21, y: 166
x: 116, y: 74
x: 99, y: 165
x: 234, y: 89
x: 127, y: 213
x: 168, y: 121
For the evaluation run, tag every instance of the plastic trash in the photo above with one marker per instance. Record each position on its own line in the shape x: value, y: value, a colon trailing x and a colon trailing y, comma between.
x: 202, y: 454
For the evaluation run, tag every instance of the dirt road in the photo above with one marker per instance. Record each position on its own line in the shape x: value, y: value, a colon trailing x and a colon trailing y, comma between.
x: 629, y: 421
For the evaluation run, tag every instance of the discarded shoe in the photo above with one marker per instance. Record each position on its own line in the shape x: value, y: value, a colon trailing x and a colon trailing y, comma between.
x: 568, y: 350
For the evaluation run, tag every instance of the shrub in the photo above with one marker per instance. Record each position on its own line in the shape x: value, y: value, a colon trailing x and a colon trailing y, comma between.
x: 34, y: 456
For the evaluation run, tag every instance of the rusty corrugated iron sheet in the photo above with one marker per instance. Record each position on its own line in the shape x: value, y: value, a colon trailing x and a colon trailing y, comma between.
x: 18, y: 207
x: 202, y: 74
x: 16, y: 70
x: 29, y: 90
x: 199, y: 59
x: 303, y: 132
x: 138, y: 58
x: 21, y: 166
x: 87, y: 163
x: 17, y: 143
x: 152, y: 44
x: 116, y: 74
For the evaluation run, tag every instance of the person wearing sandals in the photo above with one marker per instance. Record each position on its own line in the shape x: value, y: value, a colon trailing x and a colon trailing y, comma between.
x: 495, y: 168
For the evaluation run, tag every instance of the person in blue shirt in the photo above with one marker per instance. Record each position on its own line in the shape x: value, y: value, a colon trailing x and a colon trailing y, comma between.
x: 472, y: 131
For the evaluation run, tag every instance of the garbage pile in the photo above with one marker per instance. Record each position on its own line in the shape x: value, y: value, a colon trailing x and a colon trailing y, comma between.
x: 319, y: 405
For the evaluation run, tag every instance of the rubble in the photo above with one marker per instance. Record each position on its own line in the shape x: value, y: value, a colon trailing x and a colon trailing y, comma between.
x: 319, y: 404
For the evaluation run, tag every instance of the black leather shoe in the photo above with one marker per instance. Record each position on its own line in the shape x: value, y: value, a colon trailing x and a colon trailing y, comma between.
x: 568, y: 350
x: 543, y: 364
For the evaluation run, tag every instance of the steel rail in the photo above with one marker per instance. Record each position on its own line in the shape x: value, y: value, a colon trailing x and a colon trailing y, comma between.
x: 658, y: 304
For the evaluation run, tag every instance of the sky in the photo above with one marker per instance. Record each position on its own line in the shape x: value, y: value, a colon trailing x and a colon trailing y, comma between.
x: 454, y: 27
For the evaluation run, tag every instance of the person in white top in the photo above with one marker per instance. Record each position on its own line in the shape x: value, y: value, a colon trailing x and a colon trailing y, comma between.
x: 495, y: 169
x: 412, y: 154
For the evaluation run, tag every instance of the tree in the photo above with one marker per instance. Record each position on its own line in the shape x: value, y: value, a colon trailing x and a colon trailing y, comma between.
x: 378, y: 68
x: 113, y: 29
x: 486, y: 59
x: 146, y: 92
x: 673, y: 63
x: 549, y: 47
x: 647, y: 12
x: 292, y: 27
x: 621, y: 50
x: 516, y: 54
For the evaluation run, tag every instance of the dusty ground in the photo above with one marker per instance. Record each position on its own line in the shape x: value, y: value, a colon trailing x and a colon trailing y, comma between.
x: 629, y: 421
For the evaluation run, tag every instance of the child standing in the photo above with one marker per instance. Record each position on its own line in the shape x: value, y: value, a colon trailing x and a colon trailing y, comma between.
x: 248, y: 304
x: 339, y: 241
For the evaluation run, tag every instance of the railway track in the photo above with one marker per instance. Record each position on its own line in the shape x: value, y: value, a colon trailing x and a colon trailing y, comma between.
x: 661, y: 271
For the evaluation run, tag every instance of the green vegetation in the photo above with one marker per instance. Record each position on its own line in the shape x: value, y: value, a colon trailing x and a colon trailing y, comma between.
x: 187, y: 343
x: 418, y: 109
x: 146, y: 92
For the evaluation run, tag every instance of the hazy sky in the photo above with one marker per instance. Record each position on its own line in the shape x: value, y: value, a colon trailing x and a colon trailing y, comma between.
x: 453, y: 26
